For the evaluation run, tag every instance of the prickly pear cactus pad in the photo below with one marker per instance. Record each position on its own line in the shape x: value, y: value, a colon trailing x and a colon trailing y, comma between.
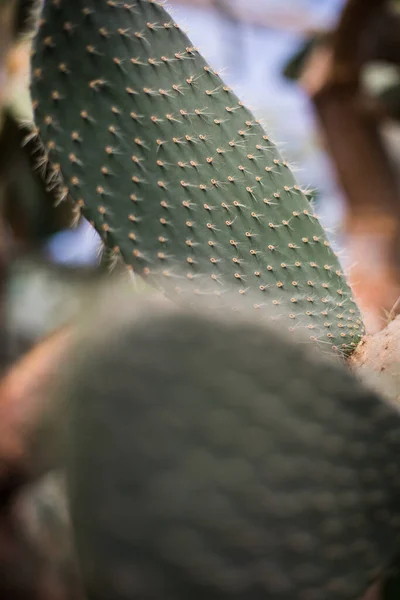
x: 174, y: 171
x: 199, y: 472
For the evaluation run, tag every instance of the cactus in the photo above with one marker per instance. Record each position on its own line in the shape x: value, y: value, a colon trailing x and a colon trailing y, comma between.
x: 174, y: 171
x: 202, y: 465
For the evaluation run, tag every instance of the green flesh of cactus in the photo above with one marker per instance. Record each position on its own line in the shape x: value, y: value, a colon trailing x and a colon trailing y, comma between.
x: 221, y: 474
x: 175, y: 173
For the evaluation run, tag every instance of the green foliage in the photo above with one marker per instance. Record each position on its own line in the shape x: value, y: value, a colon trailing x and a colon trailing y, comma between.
x: 175, y: 173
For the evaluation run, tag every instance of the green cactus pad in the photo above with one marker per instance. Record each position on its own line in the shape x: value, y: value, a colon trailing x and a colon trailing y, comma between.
x: 202, y: 465
x: 174, y: 171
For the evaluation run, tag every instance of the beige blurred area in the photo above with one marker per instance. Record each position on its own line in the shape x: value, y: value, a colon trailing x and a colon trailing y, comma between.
x: 18, y: 78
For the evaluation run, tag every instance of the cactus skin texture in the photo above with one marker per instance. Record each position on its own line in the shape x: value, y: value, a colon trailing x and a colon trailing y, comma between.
x: 174, y: 171
x: 202, y: 465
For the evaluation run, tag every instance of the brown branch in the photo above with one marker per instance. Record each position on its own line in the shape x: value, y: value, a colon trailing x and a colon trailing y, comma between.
x: 352, y: 132
x: 380, y: 40
x: 354, y: 141
x: 357, y: 15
